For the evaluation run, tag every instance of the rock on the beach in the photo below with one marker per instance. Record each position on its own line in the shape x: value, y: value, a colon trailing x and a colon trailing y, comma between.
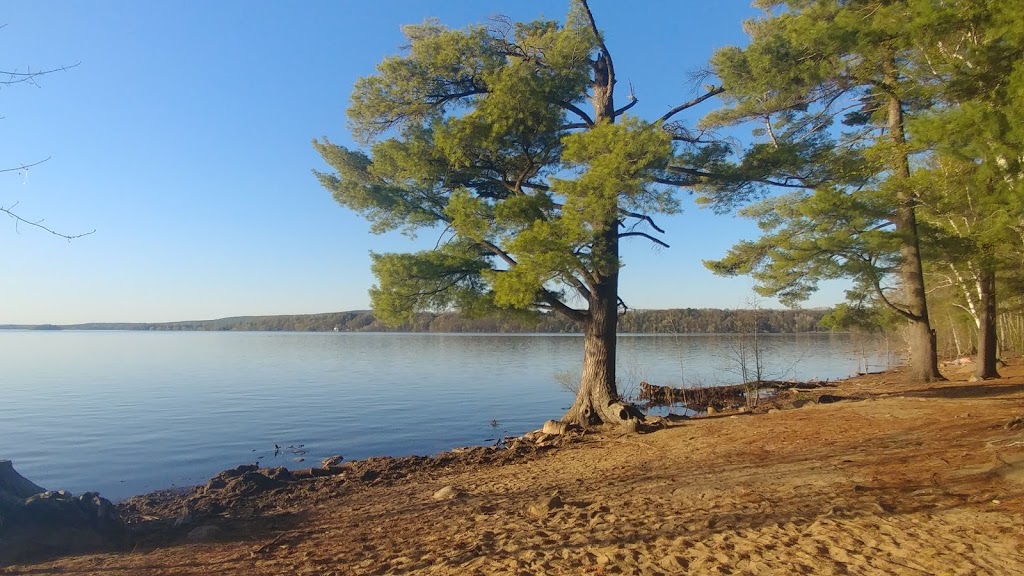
x: 55, y: 522
x: 246, y: 481
x: 183, y: 520
x: 204, y: 533
x: 555, y: 428
x: 15, y: 485
x: 331, y: 461
x: 674, y: 563
x: 532, y: 436
x: 63, y: 510
x: 447, y: 493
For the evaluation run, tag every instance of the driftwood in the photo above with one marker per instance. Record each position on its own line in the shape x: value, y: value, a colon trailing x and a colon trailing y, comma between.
x: 717, y: 397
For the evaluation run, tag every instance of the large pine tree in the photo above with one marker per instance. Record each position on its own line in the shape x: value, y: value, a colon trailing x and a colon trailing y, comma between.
x: 506, y: 139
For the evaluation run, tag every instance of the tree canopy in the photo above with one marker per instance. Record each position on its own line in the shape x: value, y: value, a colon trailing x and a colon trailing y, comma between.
x: 829, y: 87
x: 895, y: 126
x: 505, y: 140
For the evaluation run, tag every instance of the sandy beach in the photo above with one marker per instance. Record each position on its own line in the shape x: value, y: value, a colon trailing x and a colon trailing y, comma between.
x: 894, y: 478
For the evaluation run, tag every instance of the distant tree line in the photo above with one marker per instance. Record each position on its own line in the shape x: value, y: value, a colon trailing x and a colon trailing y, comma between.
x: 674, y: 321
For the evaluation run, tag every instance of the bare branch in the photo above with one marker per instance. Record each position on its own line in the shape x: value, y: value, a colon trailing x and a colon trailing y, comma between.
x: 712, y: 92
x: 681, y: 133
x: 643, y: 217
x: 876, y: 283
x: 622, y: 110
x: 15, y: 77
x: 771, y: 131
x: 605, y: 54
x: 576, y: 110
x: 644, y: 235
x: 24, y: 166
x: 632, y: 102
x: 39, y: 224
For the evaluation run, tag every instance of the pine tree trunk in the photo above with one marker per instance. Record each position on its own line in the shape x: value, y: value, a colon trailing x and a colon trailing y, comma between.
x: 985, y: 366
x: 597, y: 388
x: 924, y: 359
x: 597, y: 400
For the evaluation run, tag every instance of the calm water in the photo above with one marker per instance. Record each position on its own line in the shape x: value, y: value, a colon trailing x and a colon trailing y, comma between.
x: 129, y: 412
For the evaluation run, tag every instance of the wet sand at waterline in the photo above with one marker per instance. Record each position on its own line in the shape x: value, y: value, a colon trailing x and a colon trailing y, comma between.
x: 896, y: 478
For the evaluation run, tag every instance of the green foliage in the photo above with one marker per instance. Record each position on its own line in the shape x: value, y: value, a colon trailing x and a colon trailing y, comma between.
x: 818, y: 85
x: 808, y: 236
x: 861, y: 314
x: 616, y: 165
x: 478, y: 134
x: 971, y: 185
x: 430, y: 280
x: 815, y: 86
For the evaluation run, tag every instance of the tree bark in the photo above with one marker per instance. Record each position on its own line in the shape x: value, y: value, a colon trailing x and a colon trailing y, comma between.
x: 924, y: 359
x: 597, y: 400
x: 985, y: 366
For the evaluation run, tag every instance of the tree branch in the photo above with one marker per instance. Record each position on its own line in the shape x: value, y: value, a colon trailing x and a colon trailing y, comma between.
x: 644, y: 235
x: 620, y: 111
x: 493, y: 248
x: 876, y: 284
x: 24, y: 166
x: 439, y: 99
x: 19, y: 77
x: 576, y: 110
x: 562, y: 307
x: 644, y: 217
x: 510, y: 261
x: 605, y: 54
x: 786, y: 183
x: 39, y: 224
x: 714, y: 91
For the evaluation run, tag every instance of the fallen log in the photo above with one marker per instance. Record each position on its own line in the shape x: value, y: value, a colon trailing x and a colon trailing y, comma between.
x: 718, y: 397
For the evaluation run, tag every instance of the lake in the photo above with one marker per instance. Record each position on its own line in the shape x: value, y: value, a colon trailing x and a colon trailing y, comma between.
x: 124, y: 413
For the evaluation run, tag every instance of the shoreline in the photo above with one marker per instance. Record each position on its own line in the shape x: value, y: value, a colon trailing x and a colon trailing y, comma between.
x: 896, y: 477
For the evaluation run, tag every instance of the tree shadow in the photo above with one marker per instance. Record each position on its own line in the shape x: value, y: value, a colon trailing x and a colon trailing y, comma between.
x: 149, y: 537
x: 978, y: 390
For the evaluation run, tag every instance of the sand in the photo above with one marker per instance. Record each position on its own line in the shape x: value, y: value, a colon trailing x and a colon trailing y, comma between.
x: 901, y: 479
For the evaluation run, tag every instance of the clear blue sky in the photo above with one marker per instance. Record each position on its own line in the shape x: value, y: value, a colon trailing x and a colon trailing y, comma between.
x: 183, y: 138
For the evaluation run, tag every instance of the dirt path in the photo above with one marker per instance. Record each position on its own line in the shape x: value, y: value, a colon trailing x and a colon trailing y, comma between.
x: 910, y: 480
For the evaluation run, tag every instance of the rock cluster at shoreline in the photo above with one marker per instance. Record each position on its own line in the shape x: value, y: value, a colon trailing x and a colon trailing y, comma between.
x: 39, y: 523
x: 248, y: 491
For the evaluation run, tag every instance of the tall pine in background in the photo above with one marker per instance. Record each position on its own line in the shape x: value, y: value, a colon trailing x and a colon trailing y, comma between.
x: 828, y: 85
